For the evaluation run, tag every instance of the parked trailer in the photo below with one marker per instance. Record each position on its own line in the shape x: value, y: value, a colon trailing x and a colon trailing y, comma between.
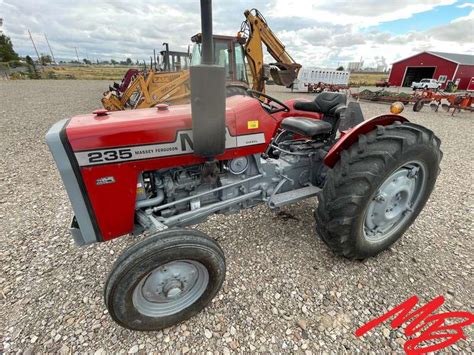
x: 311, y: 77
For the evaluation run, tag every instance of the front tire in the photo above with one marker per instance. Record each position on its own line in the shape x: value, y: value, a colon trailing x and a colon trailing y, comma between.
x: 164, y: 280
x: 377, y: 189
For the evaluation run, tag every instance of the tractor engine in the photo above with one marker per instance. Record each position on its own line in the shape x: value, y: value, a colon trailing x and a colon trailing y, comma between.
x: 187, y: 195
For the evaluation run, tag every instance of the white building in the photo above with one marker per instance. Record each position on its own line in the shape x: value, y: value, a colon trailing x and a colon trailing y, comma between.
x: 355, y: 66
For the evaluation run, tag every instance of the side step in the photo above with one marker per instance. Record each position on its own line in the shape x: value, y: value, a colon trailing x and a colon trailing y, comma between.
x: 288, y: 197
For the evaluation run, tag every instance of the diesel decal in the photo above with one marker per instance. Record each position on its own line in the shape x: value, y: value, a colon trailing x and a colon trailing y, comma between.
x: 182, y: 145
x: 105, y: 180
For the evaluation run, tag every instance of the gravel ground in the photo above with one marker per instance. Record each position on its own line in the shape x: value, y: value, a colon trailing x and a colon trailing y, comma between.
x: 284, y: 290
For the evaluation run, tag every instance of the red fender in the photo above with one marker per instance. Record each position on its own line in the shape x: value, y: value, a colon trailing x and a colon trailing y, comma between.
x: 351, y: 135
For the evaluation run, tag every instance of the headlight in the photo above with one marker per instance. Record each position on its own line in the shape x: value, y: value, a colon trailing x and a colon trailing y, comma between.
x: 396, y: 108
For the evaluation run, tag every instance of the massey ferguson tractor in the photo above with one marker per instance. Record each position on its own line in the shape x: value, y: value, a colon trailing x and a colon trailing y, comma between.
x: 160, y: 170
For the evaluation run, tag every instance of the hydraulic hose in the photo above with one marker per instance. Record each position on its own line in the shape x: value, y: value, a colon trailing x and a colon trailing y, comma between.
x: 160, y: 196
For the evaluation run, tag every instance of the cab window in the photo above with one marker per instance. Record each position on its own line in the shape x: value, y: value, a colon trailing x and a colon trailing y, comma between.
x: 196, y: 55
x: 221, y: 57
x: 240, y: 67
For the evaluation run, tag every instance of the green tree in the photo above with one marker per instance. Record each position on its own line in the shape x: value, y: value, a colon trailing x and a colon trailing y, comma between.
x: 86, y: 61
x: 129, y: 61
x: 45, y: 59
x: 32, y: 72
x: 113, y: 61
x: 7, y: 52
x: 341, y: 68
x: 29, y: 61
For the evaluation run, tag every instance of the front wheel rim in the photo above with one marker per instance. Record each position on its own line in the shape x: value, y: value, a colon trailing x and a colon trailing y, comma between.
x: 170, y: 288
x: 394, y: 202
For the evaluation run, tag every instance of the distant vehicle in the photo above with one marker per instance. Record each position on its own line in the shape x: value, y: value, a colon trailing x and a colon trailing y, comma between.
x: 426, y: 84
x: 384, y: 83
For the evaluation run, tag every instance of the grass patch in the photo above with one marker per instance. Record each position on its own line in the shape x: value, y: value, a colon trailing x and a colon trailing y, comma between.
x: 366, y: 79
x: 85, y: 72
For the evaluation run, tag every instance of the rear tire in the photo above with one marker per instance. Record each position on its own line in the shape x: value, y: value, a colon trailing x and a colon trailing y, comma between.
x: 363, y: 177
x: 164, y: 280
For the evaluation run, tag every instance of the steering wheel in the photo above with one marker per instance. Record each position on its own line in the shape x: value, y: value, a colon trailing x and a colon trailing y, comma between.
x: 257, y: 94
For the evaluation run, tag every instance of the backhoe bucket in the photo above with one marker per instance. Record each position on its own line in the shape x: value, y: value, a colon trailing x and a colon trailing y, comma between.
x: 284, y: 74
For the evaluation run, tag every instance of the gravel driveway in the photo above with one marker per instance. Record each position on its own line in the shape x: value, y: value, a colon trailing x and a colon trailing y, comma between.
x: 284, y: 290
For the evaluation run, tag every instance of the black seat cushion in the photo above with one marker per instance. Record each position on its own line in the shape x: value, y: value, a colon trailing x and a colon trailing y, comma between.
x: 326, y: 103
x: 306, y: 126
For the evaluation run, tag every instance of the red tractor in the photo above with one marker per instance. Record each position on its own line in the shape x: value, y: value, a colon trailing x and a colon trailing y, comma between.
x: 160, y: 170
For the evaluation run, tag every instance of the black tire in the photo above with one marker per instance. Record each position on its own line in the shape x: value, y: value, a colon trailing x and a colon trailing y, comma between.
x: 355, y: 179
x: 141, y: 259
x: 418, y: 105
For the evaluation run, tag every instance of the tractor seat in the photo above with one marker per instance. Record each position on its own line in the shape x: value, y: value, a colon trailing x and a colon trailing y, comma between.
x: 326, y: 103
x: 306, y: 126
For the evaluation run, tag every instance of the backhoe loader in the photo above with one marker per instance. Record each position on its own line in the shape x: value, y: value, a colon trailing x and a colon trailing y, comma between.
x: 152, y: 87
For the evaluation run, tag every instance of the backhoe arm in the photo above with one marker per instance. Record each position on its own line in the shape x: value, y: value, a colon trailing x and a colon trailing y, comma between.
x: 284, y: 71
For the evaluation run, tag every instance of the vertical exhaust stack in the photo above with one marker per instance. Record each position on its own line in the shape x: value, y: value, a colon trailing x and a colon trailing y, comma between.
x: 208, y: 94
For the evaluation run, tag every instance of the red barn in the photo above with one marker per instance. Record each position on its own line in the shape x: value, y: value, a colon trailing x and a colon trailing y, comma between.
x: 434, y: 65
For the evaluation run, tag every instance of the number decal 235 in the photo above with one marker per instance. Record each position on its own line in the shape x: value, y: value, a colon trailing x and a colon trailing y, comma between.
x: 109, y: 155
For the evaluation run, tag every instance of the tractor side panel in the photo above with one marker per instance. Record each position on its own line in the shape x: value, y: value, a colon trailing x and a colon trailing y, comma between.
x: 113, y: 203
x: 351, y: 136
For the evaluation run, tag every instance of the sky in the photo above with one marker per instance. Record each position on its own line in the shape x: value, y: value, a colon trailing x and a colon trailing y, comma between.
x: 320, y: 33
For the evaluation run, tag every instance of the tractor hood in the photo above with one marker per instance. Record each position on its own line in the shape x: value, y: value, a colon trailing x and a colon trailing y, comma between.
x: 141, y: 127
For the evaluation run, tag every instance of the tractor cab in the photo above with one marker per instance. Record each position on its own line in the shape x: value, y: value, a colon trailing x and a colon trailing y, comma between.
x: 229, y: 53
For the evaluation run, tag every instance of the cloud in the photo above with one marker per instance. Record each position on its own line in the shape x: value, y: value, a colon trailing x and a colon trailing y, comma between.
x: 360, y: 13
x: 315, y: 32
x: 458, y: 31
x: 466, y: 4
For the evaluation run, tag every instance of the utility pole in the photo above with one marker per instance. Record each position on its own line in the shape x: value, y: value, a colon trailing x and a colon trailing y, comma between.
x: 34, y: 46
x: 77, y: 56
x: 50, y: 50
x: 36, y: 50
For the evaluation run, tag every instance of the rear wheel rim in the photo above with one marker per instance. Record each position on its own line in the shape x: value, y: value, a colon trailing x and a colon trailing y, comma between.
x: 170, y: 288
x: 394, y: 202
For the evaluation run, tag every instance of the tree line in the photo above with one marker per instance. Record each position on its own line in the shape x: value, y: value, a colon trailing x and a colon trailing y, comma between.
x: 8, y: 54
